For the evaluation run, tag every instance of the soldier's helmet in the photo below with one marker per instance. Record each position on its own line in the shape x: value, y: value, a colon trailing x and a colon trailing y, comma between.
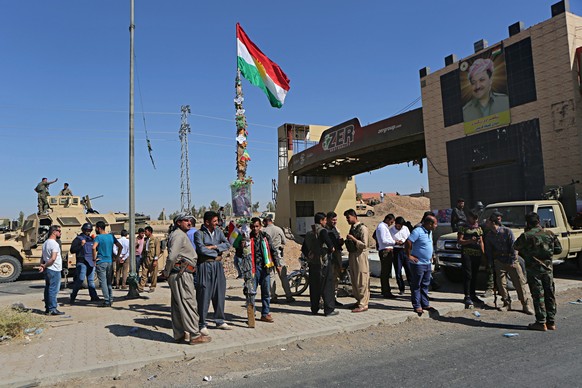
x: 87, y: 226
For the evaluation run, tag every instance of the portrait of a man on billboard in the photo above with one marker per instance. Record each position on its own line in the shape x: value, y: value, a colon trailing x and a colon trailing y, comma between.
x: 241, y: 201
x: 484, y: 91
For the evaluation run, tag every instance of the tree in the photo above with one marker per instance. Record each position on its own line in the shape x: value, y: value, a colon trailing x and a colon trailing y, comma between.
x: 193, y: 210
x: 270, y: 207
x: 228, y: 209
x: 201, y: 211
x: 162, y: 216
x: 214, y: 205
x: 255, y: 207
x: 21, y: 218
x: 173, y: 215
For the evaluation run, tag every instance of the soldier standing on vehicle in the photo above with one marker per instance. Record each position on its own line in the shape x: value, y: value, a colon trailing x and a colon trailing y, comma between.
x: 43, y: 193
x: 357, y: 246
x: 150, y: 256
x: 317, y: 248
x: 180, y: 269
x: 66, y: 190
x: 503, y: 258
x: 82, y: 246
x: 278, y: 238
x: 458, y: 216
x: 537, y: 246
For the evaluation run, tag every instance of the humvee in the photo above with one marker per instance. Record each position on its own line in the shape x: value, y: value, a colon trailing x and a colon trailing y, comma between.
x: 22, y: 250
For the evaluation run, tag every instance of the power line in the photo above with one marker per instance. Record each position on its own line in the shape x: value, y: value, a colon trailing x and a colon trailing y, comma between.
x: 119, y: 130
x: 409, y: 105
x: 56, y: 109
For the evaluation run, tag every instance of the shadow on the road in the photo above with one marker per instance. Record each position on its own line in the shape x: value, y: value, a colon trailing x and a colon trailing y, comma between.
x: 474, y: 322
x: 154, y: 322
x: 139, y: 332
x: 377, y: 306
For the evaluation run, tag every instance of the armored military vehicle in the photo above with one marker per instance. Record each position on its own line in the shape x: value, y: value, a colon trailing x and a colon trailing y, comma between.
x: 21, y: 250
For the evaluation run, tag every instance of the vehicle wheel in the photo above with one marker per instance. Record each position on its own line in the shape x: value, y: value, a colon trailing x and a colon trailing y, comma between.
x: 454, y: 275
x: 369, y: 213
x: 579, y: 261
x: 10, y: 268
x: 297, y: 283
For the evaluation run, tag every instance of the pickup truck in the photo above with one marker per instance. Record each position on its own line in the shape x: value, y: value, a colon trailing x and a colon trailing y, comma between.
x: 552, y: 216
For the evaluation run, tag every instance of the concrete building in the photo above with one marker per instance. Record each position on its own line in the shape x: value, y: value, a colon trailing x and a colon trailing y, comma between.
x: 497, y: 126
x: 542, y: 142
x: 300, y: 197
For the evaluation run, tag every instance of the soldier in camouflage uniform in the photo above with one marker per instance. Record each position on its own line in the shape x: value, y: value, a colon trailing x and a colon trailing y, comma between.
x: 43, y: 193
x: 537, y: 246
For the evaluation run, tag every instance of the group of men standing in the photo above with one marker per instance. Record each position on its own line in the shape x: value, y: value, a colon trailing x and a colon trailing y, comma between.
x: 322, y: 247
x: 497, y: 244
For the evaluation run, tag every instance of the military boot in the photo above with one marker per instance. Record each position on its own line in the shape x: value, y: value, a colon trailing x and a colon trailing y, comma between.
x: 468, y: 302
x: 537, y: 326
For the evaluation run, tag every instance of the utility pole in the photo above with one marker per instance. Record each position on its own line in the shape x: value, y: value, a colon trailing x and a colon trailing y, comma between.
x: 185, y: 205
x: 133, y: 292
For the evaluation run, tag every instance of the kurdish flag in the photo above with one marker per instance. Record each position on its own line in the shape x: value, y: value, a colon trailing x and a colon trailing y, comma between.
x: 260, y: 70
x: 234, y: 235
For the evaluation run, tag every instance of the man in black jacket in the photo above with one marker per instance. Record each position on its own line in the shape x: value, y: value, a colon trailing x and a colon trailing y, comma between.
x: 318, y: 248
x: 82, y: 246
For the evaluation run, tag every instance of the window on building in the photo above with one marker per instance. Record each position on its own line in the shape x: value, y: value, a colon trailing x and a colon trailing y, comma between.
x: 304, y: 208
x: 521, y: 83
x: 313, y: 180
x: 547, y: 216
x: 451, y: 95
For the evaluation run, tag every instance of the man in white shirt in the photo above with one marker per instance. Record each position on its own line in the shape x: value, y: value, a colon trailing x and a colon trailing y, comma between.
x: 400, y: 233
x: 51, y: 263
x: 386, y: 252
x: 122, y: 267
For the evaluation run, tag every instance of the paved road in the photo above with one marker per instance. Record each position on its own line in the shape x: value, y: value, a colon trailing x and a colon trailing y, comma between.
x: 479, y: 357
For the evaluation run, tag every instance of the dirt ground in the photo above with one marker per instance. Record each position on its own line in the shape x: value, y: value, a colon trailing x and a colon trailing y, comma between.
x: 251, y: 365
x: 410, y: 208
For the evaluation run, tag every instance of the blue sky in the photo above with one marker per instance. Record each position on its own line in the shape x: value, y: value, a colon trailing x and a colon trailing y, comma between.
x: 64, y: 86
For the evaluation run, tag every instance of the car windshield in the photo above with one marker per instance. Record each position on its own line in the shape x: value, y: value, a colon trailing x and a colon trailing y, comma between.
x: 511, y: 216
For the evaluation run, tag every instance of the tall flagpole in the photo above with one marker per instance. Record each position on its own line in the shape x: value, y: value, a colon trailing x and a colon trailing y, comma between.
x: 133, y: 292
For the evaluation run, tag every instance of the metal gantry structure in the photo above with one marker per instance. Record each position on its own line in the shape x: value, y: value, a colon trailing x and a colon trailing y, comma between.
x: 185, y: 205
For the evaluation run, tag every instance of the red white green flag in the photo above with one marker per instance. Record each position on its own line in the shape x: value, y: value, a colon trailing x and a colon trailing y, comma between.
x: 259, y: 70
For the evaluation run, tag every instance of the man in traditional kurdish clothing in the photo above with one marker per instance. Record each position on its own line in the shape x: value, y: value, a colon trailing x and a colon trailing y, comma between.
x: 264, y: 258
x: 211, y: 281
x: 357, y: 246
x: 180, y: 267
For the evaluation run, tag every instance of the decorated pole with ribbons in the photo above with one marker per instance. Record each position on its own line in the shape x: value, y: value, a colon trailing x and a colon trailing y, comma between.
x: 260, y: 71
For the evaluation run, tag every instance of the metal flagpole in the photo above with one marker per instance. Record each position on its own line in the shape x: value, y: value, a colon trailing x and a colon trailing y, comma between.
x: 133, y: 292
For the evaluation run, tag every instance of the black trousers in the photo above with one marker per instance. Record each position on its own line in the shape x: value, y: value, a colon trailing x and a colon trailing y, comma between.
x: 470, y: 266
x: 386, y: 259
x: 321, y: 285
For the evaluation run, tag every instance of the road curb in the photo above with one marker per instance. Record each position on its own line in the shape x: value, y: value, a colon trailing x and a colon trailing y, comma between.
x: 211, y: 351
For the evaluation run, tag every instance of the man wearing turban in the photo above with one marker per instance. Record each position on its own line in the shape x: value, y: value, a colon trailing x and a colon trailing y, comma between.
x: 484, y: 102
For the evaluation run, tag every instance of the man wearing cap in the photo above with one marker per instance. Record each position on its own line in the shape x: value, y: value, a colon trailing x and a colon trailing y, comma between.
x: 278, y: 238
x: 192, y: 231
x: 82, y: 246
x: 484, y: 102
x: 458, y: 216
x: 180, y: 268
